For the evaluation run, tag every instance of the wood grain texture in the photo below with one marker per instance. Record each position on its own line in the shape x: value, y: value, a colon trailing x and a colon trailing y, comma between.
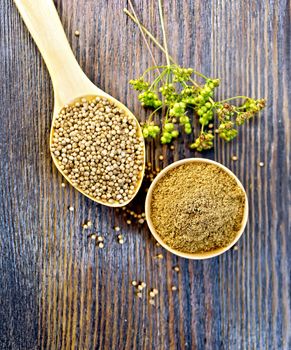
x: 57, y: 290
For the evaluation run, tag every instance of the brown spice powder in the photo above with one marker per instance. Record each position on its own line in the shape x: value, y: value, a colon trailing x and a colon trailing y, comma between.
x: 197, y: 207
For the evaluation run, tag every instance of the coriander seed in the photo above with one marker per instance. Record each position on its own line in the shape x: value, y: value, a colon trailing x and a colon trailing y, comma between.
x: 98, y: 146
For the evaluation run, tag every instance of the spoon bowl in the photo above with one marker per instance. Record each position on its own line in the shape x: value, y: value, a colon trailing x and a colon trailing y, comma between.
x: 70, y: 83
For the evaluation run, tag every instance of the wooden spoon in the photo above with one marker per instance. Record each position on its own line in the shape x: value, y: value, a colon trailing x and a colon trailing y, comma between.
x: 69, y: 81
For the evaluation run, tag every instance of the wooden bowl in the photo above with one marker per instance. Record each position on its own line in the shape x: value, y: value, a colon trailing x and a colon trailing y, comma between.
x: 196, y: 256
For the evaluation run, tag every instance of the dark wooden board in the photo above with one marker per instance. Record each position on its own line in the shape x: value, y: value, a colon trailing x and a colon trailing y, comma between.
x: 57, y: 290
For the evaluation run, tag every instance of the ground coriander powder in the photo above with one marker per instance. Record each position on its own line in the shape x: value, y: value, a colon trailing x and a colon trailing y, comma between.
x: 197, y: 207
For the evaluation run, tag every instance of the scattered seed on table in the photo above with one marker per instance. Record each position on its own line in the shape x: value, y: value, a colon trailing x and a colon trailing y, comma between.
x: 210, y: 126
x: 161, y: 157
x: 261, y: 164
x: 71, y: 208
x: 121, y: 241
x: 172, y: 147
x: 100, y: 239
x: 134, y: 283
x: 155, y: 291
x: 139, y: 294
x: 93, y: 236
x: 128, y: 222
x: 116, y: 228
x: 89, y: 223
x: 77, y: 33
x: 141, y: 221
x: 152, y: 302
x: 63, y: 184
x: 152, y: 294
x: 235, y: 247
x: 143, y: 284
x: 159, y: 256
x: 234, y: 158
x: 176, y: 268
x: 174, y: 288
x: 158, y: 244
x: 85, y: 226
x: 101, y: 245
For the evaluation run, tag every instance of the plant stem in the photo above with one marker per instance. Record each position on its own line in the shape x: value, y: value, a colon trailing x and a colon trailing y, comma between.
x: 148, y: 33
x: 158, y: 79
x: 164, y: 32
x: 151, y: 115
x: 232, y: 98
x: 155, y: 41
x: 142, y: 33
x: 152, y: 68
x: 200, y: 74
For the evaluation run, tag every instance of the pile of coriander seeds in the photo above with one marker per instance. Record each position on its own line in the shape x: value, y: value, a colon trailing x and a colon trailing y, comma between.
x: 98, y: 147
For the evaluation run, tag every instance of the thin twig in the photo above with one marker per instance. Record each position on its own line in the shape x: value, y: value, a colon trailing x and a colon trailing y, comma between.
x: 142, y: 33
x: 164, y: 32
x: 147, y: 32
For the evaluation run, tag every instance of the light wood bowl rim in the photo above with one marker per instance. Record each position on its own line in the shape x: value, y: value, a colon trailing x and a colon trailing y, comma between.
x: 194, y: 256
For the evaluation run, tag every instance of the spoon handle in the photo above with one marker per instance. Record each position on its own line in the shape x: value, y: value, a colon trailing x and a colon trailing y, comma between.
x: 43, y: 23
